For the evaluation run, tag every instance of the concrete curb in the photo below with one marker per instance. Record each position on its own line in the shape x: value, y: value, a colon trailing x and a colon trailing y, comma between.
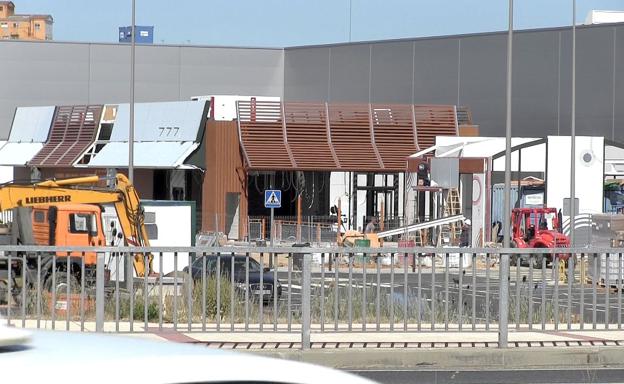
x: 459, y: 358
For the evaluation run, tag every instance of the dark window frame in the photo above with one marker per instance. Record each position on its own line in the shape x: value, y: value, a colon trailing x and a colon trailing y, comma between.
x: 87, y: 216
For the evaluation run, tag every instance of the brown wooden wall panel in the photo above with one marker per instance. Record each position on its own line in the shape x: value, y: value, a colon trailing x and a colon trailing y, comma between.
x: 469, y: 130
x: 224, y: 174
x: 73, y: 130
x: 472, y: 165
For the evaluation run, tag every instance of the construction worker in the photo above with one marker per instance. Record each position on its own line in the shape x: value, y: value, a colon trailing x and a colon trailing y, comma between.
x: 370, y: 227
x: 466, y: 234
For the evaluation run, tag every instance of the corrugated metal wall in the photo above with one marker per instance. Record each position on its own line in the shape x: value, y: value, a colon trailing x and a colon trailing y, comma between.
x: 224, y: 174
x: 498, y: 191
x: 470, y: 70
x: 59, y: 73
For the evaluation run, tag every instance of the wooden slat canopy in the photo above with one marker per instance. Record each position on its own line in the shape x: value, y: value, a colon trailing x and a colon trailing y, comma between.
x: 338, y: 136
x: 73, y: 131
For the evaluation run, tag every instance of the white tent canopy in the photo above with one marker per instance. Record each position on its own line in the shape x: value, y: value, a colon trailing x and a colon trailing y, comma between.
x: 533, y: 157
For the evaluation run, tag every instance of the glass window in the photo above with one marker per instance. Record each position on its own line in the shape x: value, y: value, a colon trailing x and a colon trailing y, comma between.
x: 254, y: 266
x: 150, y: 217
x: 211, y: 263
x: 80, y: 223
x: 152, y: 231
x: 226, y: 267
x: 106, y: 129
x: 39, y: 216
x: 37, y: 26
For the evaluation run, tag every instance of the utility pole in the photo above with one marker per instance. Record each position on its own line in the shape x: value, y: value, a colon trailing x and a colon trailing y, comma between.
x: 503, y: 303
x: 129, y: 265
x: 573, y: 132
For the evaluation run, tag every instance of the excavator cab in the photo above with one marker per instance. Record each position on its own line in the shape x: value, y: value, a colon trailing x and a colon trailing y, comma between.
x: 69, y: 225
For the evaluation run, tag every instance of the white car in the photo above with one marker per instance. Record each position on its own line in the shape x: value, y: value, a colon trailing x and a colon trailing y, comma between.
x: 67, y: 357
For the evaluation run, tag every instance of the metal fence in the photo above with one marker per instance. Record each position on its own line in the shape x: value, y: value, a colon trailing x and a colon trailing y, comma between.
x: 312, y: 289
x: 312, y: 233
x: 312, y: 229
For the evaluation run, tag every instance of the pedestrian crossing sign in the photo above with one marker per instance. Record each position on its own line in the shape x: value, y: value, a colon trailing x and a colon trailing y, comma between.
x: 272, y: 198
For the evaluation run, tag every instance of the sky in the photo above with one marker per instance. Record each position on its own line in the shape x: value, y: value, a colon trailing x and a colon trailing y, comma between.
x: 284, y: 23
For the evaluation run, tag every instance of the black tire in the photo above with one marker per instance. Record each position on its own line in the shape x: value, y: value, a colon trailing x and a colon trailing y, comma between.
x: 60, y: 280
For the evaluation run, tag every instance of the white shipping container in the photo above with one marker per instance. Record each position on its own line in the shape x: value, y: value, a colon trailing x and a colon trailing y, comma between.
x: 169, y: 224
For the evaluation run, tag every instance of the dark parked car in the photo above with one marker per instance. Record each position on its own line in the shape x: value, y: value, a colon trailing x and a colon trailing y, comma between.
x: 240, y: 278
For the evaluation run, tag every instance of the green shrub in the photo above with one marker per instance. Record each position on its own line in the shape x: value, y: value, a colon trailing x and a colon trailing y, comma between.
x: 224, y: 294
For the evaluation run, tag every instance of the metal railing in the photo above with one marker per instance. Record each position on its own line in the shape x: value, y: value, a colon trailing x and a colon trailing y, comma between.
x: 311, y: 290
x: 312, y: 229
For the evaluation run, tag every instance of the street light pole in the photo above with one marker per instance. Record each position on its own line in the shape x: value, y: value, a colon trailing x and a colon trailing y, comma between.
x: 129, y: 265
x: 131, y: 133
x: 573, y: 132
x: 503, y: 303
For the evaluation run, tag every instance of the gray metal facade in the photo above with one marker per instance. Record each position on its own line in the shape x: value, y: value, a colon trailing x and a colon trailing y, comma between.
x: 54, y: 73
x: 470, y: 70
x: 465, y: 70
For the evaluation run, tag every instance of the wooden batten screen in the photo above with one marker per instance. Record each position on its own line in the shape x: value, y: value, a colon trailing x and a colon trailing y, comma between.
x: 395, y: 134
x: 338, y: 137
x: 263, y: 135
x: 307, y: 135
x: 351, y: 137
x: 73, y: 131
x: 432, y: 121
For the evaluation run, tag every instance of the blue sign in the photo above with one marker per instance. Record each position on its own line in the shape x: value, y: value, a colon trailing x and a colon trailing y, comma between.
x: 272, y: 198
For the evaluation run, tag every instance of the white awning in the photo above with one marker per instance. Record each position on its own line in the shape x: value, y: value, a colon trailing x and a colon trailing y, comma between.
x: 29, y: 131
x: 18, y: 154
x: 161, y: 121
x: 149, y: 154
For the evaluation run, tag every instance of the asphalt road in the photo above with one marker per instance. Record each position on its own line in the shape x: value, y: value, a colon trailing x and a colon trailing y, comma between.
x: 506, y: 376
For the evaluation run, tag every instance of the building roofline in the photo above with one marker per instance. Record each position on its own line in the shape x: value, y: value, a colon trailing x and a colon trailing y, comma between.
x: 29, y: 17
x: 138, y: 44
x: 329, y: 45
x: 456, y: 36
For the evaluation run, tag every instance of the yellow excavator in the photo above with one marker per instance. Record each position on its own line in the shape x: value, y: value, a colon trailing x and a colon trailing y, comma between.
x: 68, y: 213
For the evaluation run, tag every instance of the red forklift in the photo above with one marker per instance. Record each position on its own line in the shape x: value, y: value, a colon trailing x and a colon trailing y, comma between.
x: 537, y: 228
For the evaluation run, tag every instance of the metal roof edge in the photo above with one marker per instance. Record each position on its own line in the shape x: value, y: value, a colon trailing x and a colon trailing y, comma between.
x: 613, y: 143
x: 322, y: 45
x: 112, y: 43
x: 178, y: 163
x: 521, y: 146
x: 454, y: 36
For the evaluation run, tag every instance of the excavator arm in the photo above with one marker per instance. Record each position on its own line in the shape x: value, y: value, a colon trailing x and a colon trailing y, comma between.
x: 132, y: 222
x: 123, y: 196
